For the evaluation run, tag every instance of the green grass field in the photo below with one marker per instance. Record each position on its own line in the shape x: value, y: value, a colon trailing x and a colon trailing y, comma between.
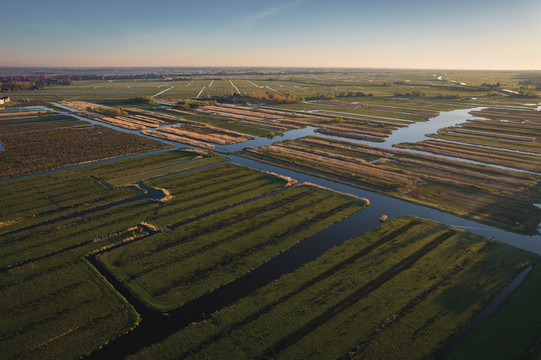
x: 402, y: 292
x: 172, y: 268
x: 27, y: 153
x: 502, y: 198
x: 381, y: 84
x: 54, y: 302
x: 38, y: 123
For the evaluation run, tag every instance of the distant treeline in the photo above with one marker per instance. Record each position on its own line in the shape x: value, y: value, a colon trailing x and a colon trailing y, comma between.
x: 286, y: 98
x: 17, y: 83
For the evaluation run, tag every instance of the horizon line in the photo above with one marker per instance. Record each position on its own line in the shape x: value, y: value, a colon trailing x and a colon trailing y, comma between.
x: 255, y: 67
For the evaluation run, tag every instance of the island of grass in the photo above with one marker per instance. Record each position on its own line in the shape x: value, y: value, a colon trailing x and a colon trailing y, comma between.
x: 55, y: 304
x: 500, y: 197
x: 174, y: 267
x: 403, y: 291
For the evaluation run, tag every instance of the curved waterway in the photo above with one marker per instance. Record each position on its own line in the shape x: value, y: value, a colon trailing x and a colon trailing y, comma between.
x: 379, y: 204
x: 155, y: 326
x: 14, y: 109
x: 368, y: 219
x: 413, y: 133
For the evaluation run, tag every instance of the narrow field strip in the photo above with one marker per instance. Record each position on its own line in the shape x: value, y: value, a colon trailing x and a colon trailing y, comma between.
x: 149, y: 174
x: 57, y: 238
x: 246, y: 235
x: 201, y: 246
x: 393, y: 292
x: 175, y: 216
x: 208, y: 225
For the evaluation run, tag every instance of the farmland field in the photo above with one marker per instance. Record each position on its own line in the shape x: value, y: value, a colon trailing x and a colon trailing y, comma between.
x: 270, y: 213
x: 172, y: 268
x: 71, y: 214
x: 27, y: 153
x: 366, y: 294
x: 418, y: 177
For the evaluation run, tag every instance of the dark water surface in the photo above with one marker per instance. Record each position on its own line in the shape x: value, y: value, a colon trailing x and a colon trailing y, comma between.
x: 155, y: 326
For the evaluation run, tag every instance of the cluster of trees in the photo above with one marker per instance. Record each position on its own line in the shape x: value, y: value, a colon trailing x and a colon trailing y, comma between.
x: 528, y: 94
x: 233, y: 98
x: 110, y: 112
x: 413, y: 94
x: 447, y: 96
x: 353, y: 94
x: 261, y: 95
x: 19, y: 83
x: 536, y: 84
x: 490, y: 86
x: 142, y: 100
x: 193, y: 104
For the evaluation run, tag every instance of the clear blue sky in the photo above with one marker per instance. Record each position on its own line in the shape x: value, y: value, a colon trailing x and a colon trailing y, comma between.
x: 477, y: 34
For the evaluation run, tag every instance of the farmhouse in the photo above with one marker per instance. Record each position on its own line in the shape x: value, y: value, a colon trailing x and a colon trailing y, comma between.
x: 4, y: 100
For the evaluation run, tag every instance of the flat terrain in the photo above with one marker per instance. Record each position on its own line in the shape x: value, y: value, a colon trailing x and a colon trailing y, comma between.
x: 401, y: 291
x: 175, y: 247
x: 54, y: 302
x: 27, y: 153
x: 487, y: 194
x: 66, y: 216
x: 168, y: 270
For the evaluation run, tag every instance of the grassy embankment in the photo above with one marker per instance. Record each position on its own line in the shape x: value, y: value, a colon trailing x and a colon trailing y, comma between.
x: 500, y: 196
x: 55, y: 304
x: 488, y: 156
x: 402, y: 291
x: 172, y: 268
x: 506, y: 129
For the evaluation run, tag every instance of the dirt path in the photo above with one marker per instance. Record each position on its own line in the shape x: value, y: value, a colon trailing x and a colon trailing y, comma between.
x: 161, y: 92
x: 198, y: 95
x: 235, y: 87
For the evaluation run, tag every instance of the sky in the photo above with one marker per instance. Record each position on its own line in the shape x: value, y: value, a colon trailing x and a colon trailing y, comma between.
x: 436, y: 34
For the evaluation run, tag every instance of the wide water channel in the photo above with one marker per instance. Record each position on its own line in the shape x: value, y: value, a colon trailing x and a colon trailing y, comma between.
x: 156, y: 326
x: 368, y: 219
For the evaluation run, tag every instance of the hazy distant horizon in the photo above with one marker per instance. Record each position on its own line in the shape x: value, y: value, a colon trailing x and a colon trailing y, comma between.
x: 247, y: 67
x: 390, y: 34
